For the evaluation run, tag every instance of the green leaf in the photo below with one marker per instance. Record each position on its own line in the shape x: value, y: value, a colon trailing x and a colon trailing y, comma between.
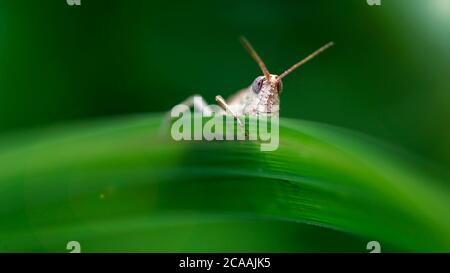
x: 122, y: 185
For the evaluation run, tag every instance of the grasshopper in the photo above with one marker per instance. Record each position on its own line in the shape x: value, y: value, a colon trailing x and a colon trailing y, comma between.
x: 261, y: 98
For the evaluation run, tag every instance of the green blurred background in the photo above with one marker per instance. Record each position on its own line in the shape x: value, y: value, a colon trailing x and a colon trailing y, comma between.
x: 387, y: 76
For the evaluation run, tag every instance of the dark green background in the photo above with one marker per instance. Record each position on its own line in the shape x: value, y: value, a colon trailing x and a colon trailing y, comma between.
x: 388, y: 74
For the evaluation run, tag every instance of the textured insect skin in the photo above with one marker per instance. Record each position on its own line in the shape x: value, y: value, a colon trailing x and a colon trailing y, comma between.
x: 265, y: 102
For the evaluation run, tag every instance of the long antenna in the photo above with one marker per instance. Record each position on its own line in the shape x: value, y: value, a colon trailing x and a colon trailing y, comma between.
x: 312, y: 55
x: 255, y: 56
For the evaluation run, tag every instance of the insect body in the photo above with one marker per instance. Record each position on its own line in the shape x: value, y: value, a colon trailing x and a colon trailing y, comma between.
x: 262, y: 97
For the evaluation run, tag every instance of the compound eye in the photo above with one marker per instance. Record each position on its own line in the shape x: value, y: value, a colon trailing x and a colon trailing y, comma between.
x: 257, y: 84
x: 279, y: 86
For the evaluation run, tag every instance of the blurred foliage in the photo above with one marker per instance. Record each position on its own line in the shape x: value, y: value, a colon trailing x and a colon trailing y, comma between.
x: 119, y: 185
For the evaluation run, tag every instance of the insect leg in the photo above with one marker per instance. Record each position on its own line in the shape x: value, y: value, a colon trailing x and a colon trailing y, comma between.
x: 223, y: 104
x: 197, y: 102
